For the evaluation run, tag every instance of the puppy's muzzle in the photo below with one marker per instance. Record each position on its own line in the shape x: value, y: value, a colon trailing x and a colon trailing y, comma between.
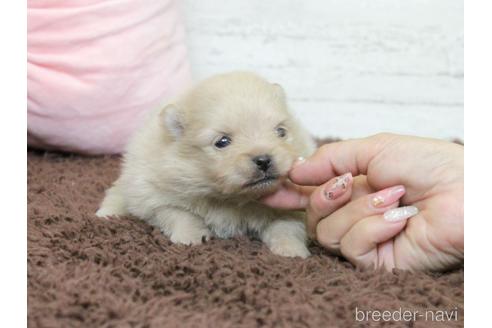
x: 263, y: 162
x: 265, y: 171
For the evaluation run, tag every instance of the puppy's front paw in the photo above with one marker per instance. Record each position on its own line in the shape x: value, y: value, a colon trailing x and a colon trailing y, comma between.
x: 113, y: 204
x: 190, y: 236
x: 105, y: 212
x: 290, y: 248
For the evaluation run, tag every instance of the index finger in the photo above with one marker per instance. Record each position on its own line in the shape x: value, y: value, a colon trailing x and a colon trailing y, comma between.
x: 334, y: 159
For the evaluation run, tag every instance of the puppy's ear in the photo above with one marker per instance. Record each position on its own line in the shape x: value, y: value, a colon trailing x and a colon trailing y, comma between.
x: 279, y: 91
x: 172, y: 120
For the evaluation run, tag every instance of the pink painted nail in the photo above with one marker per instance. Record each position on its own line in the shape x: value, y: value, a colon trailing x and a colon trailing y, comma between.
x: 387, y: 196
x: 337, y: 186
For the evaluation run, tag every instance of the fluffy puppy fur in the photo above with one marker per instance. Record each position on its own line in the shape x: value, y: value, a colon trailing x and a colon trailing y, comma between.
x: 198, y: 167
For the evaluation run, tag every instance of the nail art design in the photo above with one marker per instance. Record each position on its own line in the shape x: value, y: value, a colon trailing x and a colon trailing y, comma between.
x: 400, y: 213
x: 387, y: 196
x: 337, y: 186
x: 377, y: 201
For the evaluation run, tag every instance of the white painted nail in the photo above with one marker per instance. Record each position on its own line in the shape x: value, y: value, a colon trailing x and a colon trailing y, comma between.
x: 299, y: 160
x: 400, y: 213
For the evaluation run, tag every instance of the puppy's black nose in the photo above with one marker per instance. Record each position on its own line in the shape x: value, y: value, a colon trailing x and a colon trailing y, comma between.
x: 263, y: 162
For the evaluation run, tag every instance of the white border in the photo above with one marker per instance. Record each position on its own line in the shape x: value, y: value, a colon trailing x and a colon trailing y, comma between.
x: 14, y: 164
x: 478, y: 126
x: 478, y: 162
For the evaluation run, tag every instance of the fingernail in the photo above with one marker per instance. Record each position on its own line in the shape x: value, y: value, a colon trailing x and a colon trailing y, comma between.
x: 337, y: 186
x: 299, y: 161
x: 387, y: 196
x: 400, y: 213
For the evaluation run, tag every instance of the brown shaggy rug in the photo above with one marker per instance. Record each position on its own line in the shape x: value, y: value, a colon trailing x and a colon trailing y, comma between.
x: 89, y: 272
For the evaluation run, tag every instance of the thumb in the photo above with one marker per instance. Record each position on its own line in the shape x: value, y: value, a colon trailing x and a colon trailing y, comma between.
x: 289, y: 197
x: 337, y: 158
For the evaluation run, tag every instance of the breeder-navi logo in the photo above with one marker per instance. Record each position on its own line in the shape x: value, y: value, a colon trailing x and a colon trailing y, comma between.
x: 406, y: 315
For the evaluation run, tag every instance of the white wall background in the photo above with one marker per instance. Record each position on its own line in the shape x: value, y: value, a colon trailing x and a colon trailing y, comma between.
x: 350, y: 68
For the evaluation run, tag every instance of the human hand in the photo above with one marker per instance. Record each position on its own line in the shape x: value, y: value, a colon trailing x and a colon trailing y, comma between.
x: 410, y: 171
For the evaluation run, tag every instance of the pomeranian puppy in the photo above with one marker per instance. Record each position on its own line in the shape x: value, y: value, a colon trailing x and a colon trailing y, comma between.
x: 197, y: 167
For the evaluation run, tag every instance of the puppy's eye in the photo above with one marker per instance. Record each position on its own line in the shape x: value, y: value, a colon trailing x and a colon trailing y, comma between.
x: 281, y: 132
x: 223, y: 142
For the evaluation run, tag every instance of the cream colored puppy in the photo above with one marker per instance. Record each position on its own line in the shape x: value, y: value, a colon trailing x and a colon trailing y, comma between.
x: 198, y: 167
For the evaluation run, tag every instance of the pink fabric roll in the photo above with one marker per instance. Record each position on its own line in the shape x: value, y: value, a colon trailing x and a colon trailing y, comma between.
x: 96, y: 66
